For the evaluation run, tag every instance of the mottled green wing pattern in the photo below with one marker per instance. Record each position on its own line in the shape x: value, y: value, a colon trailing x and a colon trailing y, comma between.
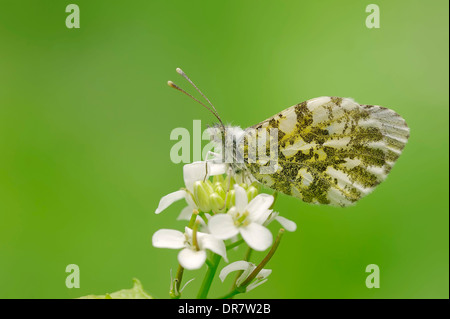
x: 331, y: 150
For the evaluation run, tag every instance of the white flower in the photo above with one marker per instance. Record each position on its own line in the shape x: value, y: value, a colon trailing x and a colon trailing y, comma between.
x: 193, y: 172
x: 245, y: 218
x: 287, y: 224
x: 247, y: 268
x: 189, y: 257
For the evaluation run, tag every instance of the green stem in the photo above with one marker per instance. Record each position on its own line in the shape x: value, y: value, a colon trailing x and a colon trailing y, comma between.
x: 193, y: 219
x: 255, y: 272
x: 203, y: 216
x: 246, y: 258
x: 204, y: 289
x: 231, y: 294
x: 266, y: 259
x: 175, y: 291
x: 194, y: 236
x: 236, y: 243
x: 248, y: 254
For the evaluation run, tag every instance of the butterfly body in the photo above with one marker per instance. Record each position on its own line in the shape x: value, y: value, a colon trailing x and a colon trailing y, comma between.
x: 327, y: 150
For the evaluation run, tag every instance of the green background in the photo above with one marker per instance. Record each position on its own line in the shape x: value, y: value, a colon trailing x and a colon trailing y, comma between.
x: 85, y: 119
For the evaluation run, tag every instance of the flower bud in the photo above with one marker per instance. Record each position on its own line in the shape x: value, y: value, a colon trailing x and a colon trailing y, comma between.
x: 252, y: 191
x: 257, y: 186
x: 201, y: 194
x: 217, y: 203
x: 231, y: 198
x: 243, y: 185
x: 218, y: 179
x: 209, y: 186
x: 220, y: 191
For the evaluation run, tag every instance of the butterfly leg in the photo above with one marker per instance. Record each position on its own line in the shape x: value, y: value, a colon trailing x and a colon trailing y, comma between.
x: 215, y: 156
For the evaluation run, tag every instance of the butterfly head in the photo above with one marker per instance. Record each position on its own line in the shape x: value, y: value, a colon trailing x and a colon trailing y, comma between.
x: 226, y: 140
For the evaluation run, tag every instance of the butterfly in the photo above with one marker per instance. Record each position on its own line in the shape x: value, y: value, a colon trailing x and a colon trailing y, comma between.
x: 327, y: 150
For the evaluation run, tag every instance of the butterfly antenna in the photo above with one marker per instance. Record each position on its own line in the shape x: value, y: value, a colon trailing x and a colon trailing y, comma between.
x: 180, y: 72
x: 173, y: 85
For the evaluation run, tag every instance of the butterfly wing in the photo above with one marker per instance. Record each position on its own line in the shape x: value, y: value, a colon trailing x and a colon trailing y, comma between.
x: 330, y: 150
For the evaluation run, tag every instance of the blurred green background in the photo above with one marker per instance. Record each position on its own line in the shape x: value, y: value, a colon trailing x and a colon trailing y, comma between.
x: 85, y: 119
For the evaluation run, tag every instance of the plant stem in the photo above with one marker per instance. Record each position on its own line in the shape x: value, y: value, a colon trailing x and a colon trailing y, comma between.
x: 255, y: 272
x: 236, y: 243
x: 193, y: 218
x: 203, y: 216
x: 265, y: 260
x: 194, y: 236
x: 207, y: 281
x: 175, y: 291
x: 248, y: 254
x: 246, y: 258
x: 230, y: 294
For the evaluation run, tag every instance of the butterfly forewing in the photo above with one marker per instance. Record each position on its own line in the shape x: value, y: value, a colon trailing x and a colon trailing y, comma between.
x: 329, y: 150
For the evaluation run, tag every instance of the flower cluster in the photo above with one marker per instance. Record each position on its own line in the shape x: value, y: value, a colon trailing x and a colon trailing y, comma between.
x: 225, y: 212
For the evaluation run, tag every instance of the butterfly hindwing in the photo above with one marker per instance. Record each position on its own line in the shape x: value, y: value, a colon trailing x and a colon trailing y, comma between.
x: 330, y: 150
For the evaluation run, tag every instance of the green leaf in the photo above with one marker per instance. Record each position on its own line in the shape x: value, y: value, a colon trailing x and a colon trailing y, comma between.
x: 137, y: 292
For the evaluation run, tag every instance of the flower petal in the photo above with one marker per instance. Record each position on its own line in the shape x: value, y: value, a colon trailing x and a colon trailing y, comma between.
x: 264, y: 273
x: 193, y: 172
x: 185, y: 214
x: 201, y: 170
x: 191, y: 259
x: 188, y: 232
x: 169, y: 199
x: 190, y: 200
x: 207, y: 241
x: 241, y: 198
x: 256, y: 236
x: 222, y: 226
x: 168, y: 238
x: 216, y: 169
x: 259, y: 205
x: 233, y: 240
x: 245, y: 274
x: 255, y: 284
x: 264, y: 218
x: 287, y: 224
x: 237, y: 265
